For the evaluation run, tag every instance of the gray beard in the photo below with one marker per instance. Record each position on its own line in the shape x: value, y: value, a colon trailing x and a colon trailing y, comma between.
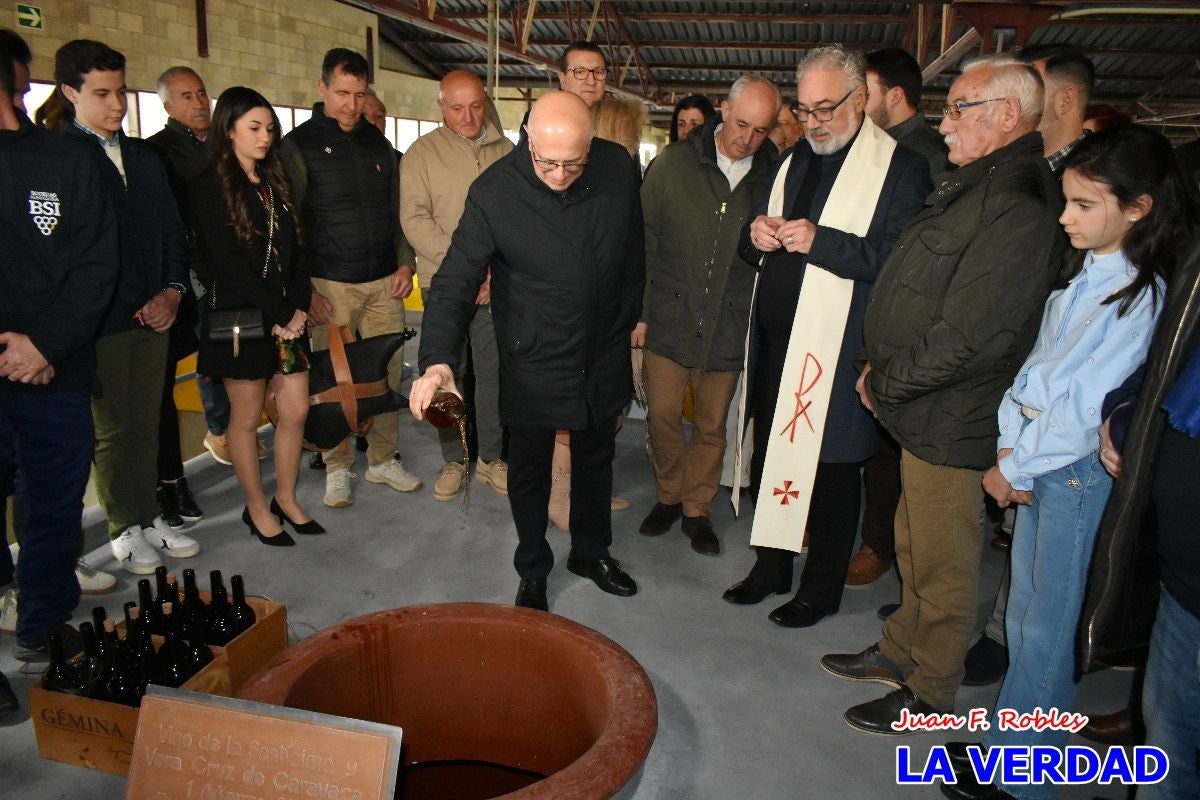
x: 832, y: 146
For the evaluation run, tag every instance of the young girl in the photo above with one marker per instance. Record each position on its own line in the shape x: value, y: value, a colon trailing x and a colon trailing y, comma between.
x: 1124, y: 212
x: 245, y: 224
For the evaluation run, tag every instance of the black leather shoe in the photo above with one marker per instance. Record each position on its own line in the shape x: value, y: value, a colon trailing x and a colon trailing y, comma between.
x: 750, y: 591
x: 877, y: 716
x: 310, y: 528
x: 969, y: 788
x: 8, y: 698
x: 316, y: 461
x: 660, y: 519
x: 532, y: 594
x: 986, y: 662
x: 960, y: 756
x: 887, y: 610
x: 1115, y: 728
x: 869, y: 665
x: 704, y: 538
x: 797, y: 613
x: 280, y: 539
x: 605, y: 573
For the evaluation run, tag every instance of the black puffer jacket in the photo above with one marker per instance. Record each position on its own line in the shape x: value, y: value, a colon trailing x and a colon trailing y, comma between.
x: 348, y: 188
x: 956, y: 308
x: 567, y: 279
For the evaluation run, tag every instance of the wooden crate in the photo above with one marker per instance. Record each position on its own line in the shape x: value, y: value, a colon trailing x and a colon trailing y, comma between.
x: 254, y: 647
x: 99, y: 735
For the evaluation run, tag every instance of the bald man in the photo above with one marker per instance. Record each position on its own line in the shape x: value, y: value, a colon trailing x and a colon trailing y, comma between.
x: 559, y: 221
x: 439, y: 169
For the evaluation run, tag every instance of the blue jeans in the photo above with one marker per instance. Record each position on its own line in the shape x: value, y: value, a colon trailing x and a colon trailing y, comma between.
x: 1051, y: 552
x: 1171, y: 698
x: 216, y: 405
x: 48, y: 436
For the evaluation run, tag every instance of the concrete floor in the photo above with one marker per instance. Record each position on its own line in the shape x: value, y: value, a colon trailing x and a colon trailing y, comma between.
x: 745, y: 710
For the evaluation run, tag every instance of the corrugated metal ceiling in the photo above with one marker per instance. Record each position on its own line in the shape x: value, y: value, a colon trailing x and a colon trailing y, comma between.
x: 701, y: 47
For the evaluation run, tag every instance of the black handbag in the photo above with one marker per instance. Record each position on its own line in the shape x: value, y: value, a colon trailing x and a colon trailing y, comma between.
x: 235, y: 325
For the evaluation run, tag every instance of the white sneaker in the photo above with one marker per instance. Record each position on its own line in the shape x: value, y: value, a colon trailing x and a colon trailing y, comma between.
x: 337, y: 488
x: 134, y: 553
x: 166, y: 539
x: 92, y: 580
x: 393, y: 473
x: 8, y: 612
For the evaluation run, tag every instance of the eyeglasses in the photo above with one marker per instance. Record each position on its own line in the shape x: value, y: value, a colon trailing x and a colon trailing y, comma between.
x: 823, y: 113
x: 580, y: 73
x: 547, y: 165
x: 954, y: 110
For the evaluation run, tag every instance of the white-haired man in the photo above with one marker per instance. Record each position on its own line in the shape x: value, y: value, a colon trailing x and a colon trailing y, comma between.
x: 952, y: 316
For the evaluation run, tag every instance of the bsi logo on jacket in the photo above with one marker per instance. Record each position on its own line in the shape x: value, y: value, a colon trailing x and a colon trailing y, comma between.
x: 44, y: 210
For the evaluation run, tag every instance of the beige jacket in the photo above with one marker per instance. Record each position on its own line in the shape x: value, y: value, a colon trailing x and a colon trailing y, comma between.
x: 435, y: 174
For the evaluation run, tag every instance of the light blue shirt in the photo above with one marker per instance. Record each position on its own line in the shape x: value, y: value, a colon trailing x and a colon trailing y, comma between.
x: 1083, y: 351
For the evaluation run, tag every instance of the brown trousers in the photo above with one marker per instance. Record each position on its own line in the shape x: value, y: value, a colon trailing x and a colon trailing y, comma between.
x: 687, y: 472
x: 938, y: 544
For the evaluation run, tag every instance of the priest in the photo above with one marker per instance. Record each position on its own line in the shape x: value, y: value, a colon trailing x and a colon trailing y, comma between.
x: 836, y: 207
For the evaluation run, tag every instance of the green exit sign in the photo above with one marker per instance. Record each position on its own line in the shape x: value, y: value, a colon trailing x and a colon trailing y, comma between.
x: 29, y: 17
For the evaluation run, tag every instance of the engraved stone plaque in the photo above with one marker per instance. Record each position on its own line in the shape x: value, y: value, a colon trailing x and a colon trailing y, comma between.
x: 192, y: 746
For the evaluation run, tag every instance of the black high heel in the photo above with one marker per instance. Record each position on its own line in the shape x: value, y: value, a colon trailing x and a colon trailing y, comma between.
x: 280, y: 539
x: 310, y: 528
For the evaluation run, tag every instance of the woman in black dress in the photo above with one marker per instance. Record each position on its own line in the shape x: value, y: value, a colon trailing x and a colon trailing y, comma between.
x: 245, y: 225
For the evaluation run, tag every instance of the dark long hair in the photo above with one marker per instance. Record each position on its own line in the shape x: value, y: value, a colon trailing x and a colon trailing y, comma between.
x: 1133, y: 160
x: 232, y: 105
x: 691, y: 101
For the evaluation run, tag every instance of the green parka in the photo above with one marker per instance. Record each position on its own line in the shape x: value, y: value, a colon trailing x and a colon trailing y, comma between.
x: 698, y: 289
x: 957, y: 306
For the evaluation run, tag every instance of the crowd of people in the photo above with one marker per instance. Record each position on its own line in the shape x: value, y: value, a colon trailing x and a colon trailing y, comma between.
x: 910, y: 321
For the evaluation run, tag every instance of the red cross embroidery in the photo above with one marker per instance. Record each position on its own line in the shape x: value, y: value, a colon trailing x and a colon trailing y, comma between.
x: 787, y: 492
x: 802, y: 406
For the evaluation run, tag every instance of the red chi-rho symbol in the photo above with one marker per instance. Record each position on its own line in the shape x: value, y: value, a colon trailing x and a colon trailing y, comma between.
x: 803, y: 405
x: 786, y: 493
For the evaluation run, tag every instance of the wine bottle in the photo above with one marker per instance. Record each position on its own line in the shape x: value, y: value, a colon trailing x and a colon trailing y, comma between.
x: 170, y: 663
x: 141, y: 653
x: 243, y: 614
x: 194, y: 606
x: 60, y: 675
x: 120, y: 685
x: 160, y: 583
x: 91, y: 663
x: 146, y: 606
x: 128, y: 609
x: 215, y: 582
x: 99, y: 615
x: 141, y: 645
x: 198, y: 655
x: 221, y: 626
